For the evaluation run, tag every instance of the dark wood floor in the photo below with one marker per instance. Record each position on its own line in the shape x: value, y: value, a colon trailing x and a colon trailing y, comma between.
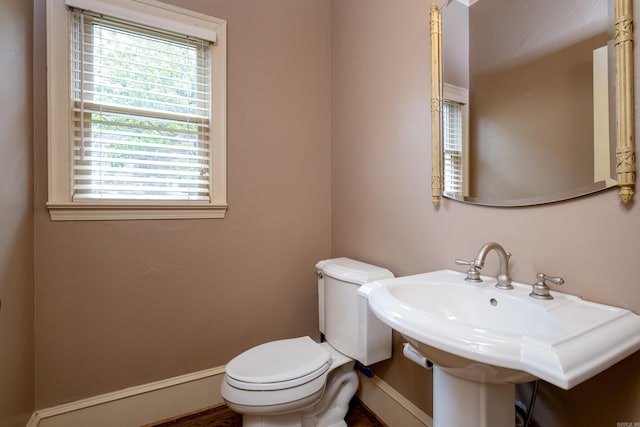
x: 221, y: 416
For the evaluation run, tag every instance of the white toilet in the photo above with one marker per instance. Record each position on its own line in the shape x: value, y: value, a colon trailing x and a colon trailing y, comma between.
x: 298, y: 382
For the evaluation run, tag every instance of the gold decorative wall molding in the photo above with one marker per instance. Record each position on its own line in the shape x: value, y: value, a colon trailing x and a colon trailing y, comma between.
x: 436, y: 104
x: 625, y: 117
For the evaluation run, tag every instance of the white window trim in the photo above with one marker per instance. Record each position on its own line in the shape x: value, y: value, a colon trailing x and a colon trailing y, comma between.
x: 461, y: 95
x: 60, y: 204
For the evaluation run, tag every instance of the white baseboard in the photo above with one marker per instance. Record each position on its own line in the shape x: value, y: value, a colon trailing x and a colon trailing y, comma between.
x: 136, y: 406
x: 390, y: 406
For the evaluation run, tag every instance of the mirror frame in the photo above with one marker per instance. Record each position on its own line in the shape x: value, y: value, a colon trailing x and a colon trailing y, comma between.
x: 625, y: 122
x: 436, y: 104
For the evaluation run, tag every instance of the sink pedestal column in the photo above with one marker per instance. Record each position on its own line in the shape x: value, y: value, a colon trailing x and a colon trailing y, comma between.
x: 459, y: 402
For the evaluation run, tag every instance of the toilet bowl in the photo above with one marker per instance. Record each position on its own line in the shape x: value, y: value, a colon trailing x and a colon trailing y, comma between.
x: 299, y: 379
x: 299, y: 382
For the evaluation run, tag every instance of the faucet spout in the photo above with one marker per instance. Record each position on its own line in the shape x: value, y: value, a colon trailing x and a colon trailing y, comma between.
x: 504, y: 279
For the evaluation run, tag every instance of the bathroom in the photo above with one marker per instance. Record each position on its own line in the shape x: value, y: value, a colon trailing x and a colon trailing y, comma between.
x: 328, y: 155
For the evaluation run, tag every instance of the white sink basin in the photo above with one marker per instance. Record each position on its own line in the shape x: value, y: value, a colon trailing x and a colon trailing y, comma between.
x: 481, y: 333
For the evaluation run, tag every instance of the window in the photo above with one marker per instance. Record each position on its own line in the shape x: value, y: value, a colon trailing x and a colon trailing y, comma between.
x: 455, y: 141
x: 136, y: 111
x: 452, y: 142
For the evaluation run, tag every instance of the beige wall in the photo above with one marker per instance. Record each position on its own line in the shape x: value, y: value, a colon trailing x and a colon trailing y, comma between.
x: 16, y: 217
x: 519, y: 71
x: 382, y: 212
x: 125, y: 303
x: 455, y: 44
x: 128, y: 302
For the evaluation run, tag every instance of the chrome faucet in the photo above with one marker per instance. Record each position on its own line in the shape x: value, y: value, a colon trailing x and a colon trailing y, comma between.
x: 504, y: 279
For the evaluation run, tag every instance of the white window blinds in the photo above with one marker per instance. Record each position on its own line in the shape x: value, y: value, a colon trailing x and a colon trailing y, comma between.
x: 452, y: 141
x: 140, y: 108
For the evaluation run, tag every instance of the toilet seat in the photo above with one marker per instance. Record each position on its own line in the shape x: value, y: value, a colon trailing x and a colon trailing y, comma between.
x: 279, y: 377
x: 278, y: 365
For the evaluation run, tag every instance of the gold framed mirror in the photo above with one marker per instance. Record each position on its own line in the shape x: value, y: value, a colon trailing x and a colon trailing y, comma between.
x: 624, y: 108
x: 436, y: 103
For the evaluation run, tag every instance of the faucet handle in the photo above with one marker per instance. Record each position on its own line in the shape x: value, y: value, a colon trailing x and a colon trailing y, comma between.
x: 552, y: 279
x: 473, y: 275
x: 541, y: 290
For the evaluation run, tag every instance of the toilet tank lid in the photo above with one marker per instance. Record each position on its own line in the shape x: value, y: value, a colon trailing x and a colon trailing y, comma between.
x: 352, y: 271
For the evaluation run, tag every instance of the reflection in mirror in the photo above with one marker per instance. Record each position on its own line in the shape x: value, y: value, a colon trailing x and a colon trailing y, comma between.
x: 539, y: 121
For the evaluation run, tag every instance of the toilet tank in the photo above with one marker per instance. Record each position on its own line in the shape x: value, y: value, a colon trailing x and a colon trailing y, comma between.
x: 345, y: 319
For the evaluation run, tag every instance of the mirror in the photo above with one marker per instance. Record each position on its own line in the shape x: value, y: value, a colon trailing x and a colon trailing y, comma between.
x: 549, y: 100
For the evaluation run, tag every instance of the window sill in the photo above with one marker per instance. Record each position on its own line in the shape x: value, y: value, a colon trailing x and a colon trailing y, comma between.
x: 123, y: 211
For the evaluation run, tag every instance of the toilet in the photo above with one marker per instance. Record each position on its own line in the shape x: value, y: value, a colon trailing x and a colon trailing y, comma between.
x: 299, y: 382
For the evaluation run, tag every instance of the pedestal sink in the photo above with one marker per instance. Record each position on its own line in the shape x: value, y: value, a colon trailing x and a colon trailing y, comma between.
x: 484, y: 340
